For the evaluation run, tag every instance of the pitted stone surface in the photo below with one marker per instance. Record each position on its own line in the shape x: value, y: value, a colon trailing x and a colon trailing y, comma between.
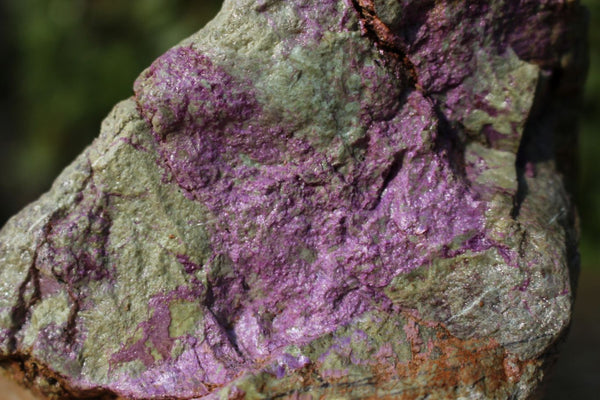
x: 322, y: 199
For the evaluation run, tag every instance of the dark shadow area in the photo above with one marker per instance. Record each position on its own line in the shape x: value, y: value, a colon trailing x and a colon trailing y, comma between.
x: 576, y: 373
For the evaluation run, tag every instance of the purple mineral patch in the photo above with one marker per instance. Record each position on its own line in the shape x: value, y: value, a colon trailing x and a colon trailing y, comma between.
x: 311, y: 247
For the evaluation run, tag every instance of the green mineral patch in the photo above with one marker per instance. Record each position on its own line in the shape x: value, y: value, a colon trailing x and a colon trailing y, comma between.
x: 185, y: 316
x: 54, y: 309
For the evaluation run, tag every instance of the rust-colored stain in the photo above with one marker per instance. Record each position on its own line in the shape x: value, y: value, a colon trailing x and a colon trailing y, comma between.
x: 445, y: 363
x: 441, y: 366
x: 386, y: 40
x: 449, y: 362
x: 45, y: 383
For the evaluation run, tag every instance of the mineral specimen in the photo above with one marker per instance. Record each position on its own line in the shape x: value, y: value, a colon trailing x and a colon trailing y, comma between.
x: 314, y: 199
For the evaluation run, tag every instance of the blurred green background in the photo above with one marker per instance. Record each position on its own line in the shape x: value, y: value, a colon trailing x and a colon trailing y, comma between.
x: 589, y: 166
x: 65, y: 63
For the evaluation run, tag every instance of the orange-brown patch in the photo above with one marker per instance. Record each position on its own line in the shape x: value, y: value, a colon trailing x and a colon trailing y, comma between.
x: 446, y: 363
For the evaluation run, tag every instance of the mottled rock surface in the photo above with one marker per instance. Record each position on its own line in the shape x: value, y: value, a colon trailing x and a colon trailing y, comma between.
x: 314, y: 199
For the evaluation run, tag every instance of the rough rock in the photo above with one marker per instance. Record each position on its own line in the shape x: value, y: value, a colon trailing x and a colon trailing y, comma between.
x: 314, y: 199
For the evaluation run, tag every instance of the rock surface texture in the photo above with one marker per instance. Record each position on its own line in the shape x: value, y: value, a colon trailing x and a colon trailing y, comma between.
x: 314, y: 199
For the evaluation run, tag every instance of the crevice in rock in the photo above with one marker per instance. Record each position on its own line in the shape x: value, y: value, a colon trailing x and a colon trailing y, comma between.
x: 389, y: 175
x: 223, y: 320
x: 391, y: 45
x: 394, y: 49
x: 71, y: 328
x: 392, y: 172
x: 21, y: 309
x: 520, y: 195
x: 451, y: 142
